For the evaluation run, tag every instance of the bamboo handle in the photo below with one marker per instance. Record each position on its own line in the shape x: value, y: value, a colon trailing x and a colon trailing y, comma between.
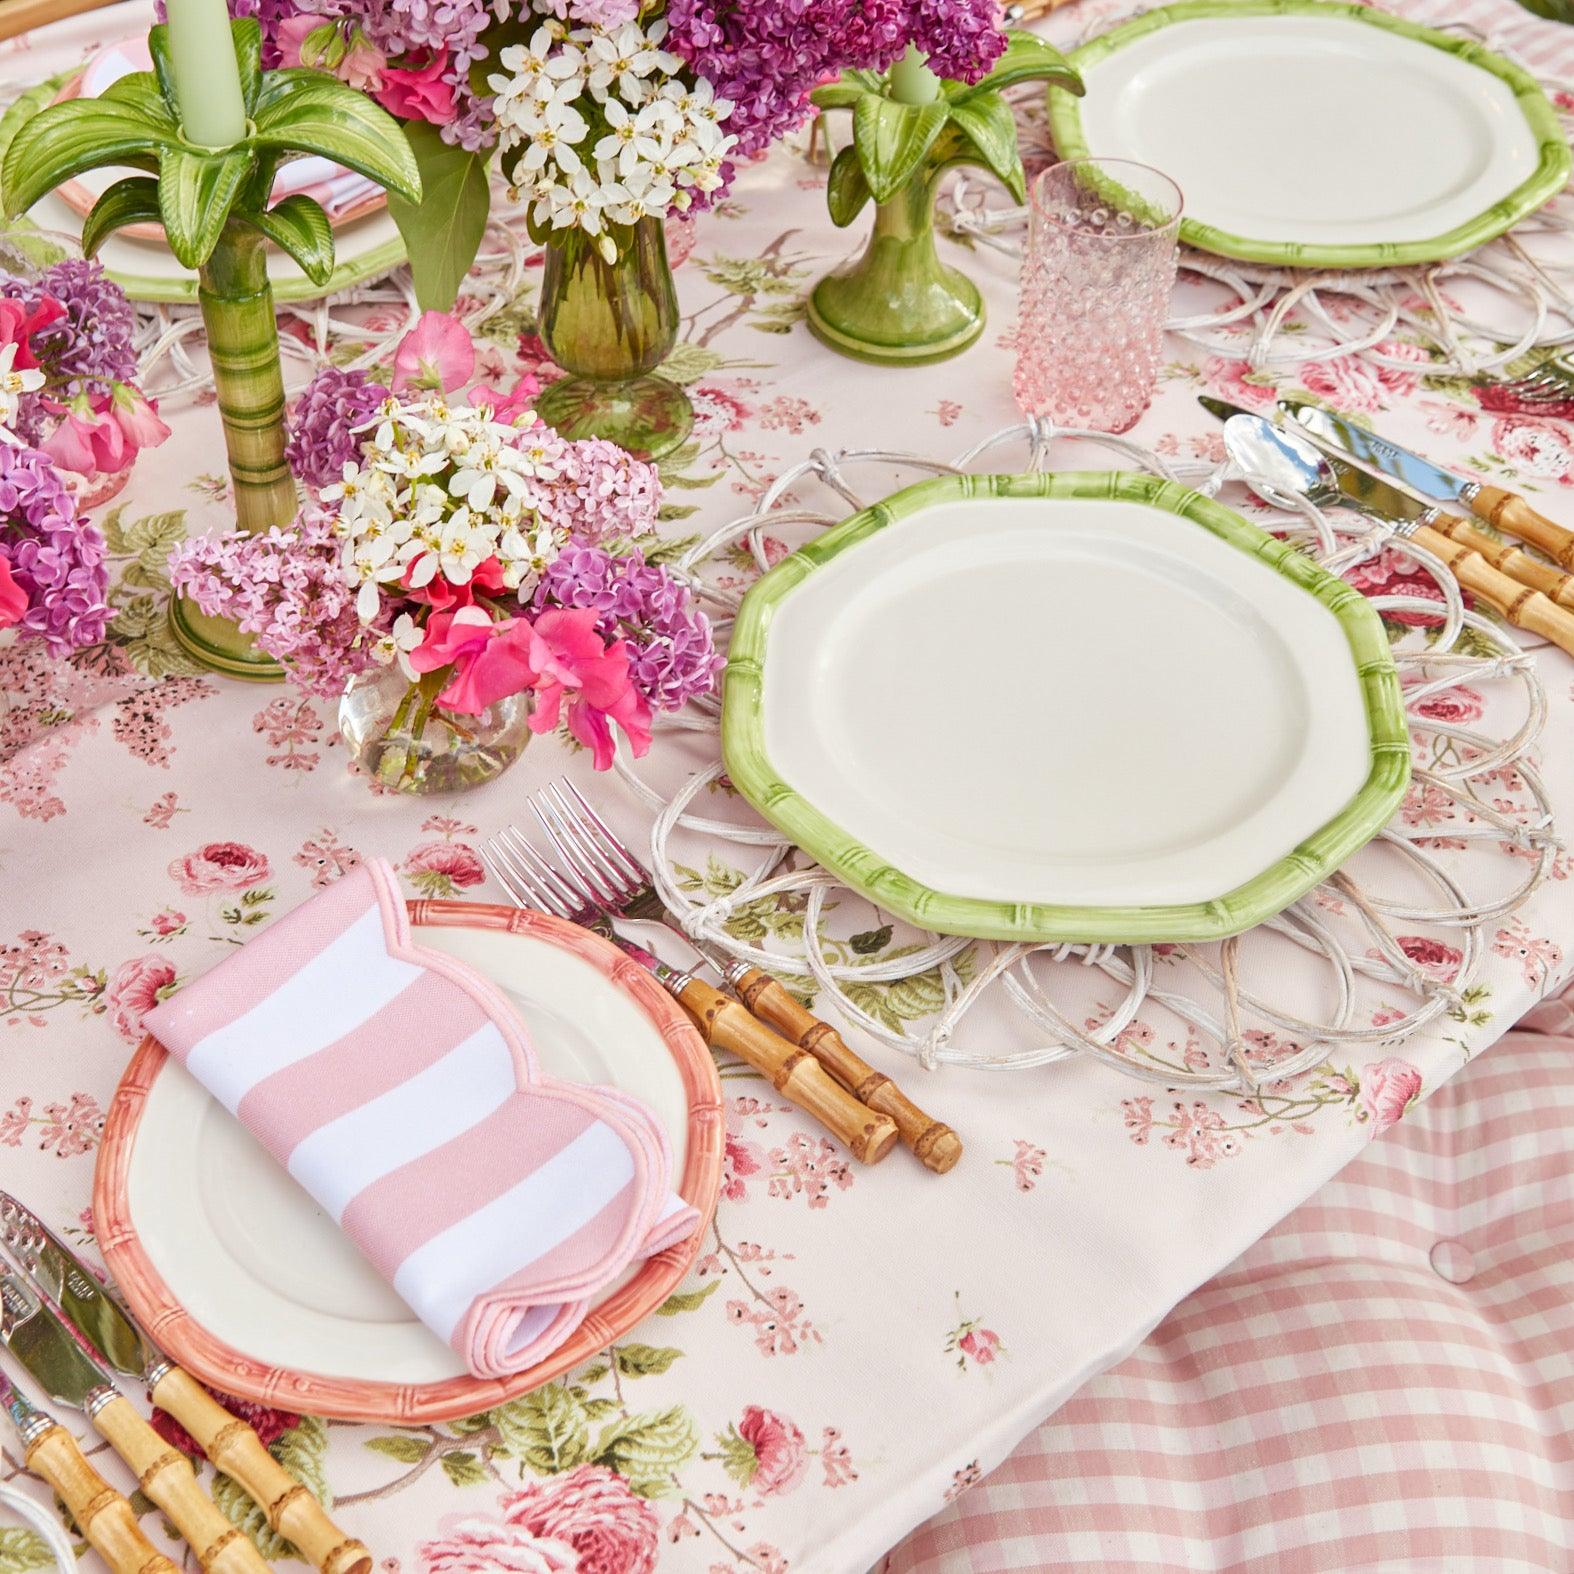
x: 931, y: 1141
x: 165, y: 1475
x: 237, y: 1450
x: 1522, y: 606
x: 1512, y: 560
x: 1510, y: 513
x: 102, y: 1514
x: 727, y: 1025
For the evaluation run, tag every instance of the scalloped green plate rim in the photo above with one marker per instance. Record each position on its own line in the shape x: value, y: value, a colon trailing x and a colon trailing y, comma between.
x: 1249, y: 904
x: 1549, y: 177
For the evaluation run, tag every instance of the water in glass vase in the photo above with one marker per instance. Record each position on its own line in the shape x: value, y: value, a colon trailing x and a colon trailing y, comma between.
x: 609, y: 325
x: 401, y: 738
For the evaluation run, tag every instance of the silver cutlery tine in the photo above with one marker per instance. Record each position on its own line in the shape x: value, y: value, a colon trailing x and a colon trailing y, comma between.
x: 571, y: 886
x: 523, y: 883
x: 569, y: 899
x: 607, y: 892
x: 615, y: 870
x: 608, y: 839
x: 519, y: 892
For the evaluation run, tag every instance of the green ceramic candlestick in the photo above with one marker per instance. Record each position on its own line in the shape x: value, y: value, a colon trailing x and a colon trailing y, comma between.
x: 897, y: 302
x: 213, y: 204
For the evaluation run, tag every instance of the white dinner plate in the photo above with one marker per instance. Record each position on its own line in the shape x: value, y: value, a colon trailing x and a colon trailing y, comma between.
x: 1088, y: 707
x: 1314, y: 134
x: 257, y: 1264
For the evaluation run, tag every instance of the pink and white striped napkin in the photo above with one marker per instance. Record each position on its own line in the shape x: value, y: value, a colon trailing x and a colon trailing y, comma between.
x: 399, y: 1088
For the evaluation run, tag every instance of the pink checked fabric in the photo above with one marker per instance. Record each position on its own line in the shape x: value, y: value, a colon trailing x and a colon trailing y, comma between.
x: 1385, y: 1382
x: 399, y: 1088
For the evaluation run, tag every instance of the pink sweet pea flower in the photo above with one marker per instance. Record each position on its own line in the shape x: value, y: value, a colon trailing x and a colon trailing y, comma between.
x: 442, y: 595
x: 89, y: 440
x: 137, y: 417
x: 418, y: 94
x: 595, y: 678
x: 341, y: 48
x: 490, y: 662
x: 13, y: 599
x: 18, y: 325
x: 437, y: 353
x: 509, y: 407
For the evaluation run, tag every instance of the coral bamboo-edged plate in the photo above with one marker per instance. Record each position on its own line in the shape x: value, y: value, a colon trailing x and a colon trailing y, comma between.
x: 238, y: 1275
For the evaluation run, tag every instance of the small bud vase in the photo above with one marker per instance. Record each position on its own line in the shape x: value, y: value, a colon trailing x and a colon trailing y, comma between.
x: 609, y: 325
x: 402, y: 740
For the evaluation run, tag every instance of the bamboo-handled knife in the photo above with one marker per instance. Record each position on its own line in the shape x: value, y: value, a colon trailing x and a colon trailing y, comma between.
x: 53, y: 1358
x: 102, y: 1514
x: 228, y: 1441
x: 1504, y: 510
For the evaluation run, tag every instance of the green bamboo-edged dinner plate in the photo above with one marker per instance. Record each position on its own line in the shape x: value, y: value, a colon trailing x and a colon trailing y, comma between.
x: 1089, y: 706
x: 146, y: 270
x: 1310, y: 134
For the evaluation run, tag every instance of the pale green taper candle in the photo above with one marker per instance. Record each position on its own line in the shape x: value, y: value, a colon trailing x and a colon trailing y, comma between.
x: 207, y: 80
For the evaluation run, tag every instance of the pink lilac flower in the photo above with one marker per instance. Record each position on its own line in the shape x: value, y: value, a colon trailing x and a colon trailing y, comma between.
x: 323, y: 437
x: 87, y: 349
x: 288, y: 588
x: 601, y: 491
x: 673, y: 656
x: 54, y: 558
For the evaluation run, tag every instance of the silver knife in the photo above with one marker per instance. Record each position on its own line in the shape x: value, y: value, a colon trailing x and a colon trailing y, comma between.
x: 1432, y: 483
x: 55, y: 1359
x: 229, y: 1442
x: 1369, y: 493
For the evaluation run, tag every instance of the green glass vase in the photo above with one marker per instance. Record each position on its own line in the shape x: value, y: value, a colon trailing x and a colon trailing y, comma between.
x: 897, y: 303
x: 243, y: 346
x: 609, y: 325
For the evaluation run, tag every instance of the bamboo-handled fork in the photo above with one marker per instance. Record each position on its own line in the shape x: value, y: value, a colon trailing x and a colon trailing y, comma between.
x: 532, y: 882
x: 624, y: 886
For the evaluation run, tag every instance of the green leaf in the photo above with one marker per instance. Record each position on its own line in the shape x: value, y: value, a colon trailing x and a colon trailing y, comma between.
x: 407, y: 1450
x: 163, y: 67
x: 690, y: 362
x: 739, y: 1457
x: 871, y: 941
x: 987, y: 122
x: 195, y: 194
x: 442, y: 231
x: 647, y: 1449
x: 687, y: 1300
x: 843, y: 93
x: 892, y: 139
x: 303, y: 111
x: 299, y: 226
x: 642, y: 1360
x: 140, y: 90
x: 21, y: 1551
x: 247, y: 33
x: 63, y: 141
x: 546, y: 1428
x: 846, y: 190
x: 301, y: 1451
x: 130, y: 201
x: 25, y: 107
x: 463, y: 1469
x: 1026, y: 57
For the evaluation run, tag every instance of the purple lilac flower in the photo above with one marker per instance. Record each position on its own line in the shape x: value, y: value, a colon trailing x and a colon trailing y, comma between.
x: 322, y: 427
x: 672, y: 656
x: 56, y: 559
x: 83, y: 352
x: 289, y: 589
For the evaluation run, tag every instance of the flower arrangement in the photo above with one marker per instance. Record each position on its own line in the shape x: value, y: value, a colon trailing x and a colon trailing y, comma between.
x: 68, y: 370
x: 604, y: 111
x: 481, y: 559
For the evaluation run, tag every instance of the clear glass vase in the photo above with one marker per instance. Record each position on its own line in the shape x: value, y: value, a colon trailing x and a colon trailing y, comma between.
x: 401, y: 738
x: 609, y: 325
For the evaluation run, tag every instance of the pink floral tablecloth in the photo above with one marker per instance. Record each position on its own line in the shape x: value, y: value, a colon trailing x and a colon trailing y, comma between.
x: 854, y: 1347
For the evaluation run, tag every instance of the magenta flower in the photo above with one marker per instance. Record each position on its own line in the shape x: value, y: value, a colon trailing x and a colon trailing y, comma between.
x: 419, y: 93
x: 508, y: 408
x: 13, y: 599
x: 438, y: 353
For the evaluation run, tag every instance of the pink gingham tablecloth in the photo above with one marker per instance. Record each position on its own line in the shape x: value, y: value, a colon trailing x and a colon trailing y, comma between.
x: 853, y: 1343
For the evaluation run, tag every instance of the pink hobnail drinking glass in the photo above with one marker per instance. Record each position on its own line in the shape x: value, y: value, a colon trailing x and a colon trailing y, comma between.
x: 1096, y: 283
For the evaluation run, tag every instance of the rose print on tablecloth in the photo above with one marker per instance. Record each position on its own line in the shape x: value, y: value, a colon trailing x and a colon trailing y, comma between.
x: 971, y: 1342
x: 220, y: 866
x: 136, y: 987
x: 1388, y: 1089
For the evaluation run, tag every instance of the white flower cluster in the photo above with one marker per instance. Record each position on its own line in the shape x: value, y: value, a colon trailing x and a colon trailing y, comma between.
x: 438, y: 491
x: 13, y: 384
x: 610, y: 133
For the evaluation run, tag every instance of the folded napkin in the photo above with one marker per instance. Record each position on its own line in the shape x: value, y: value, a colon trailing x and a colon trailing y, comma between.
x: 399, y: 1088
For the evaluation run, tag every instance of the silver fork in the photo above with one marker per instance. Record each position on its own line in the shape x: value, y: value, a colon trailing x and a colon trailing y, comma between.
x: 1550, y: 383
x: 608, y: 872
x: 532, y: 882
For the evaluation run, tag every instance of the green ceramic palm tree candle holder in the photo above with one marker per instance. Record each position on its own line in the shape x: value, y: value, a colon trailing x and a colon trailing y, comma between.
x: 213, y: 204
x: 897, y: 302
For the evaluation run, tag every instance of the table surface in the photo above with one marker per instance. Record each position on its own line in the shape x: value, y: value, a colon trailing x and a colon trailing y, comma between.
x: 853, y: 1343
